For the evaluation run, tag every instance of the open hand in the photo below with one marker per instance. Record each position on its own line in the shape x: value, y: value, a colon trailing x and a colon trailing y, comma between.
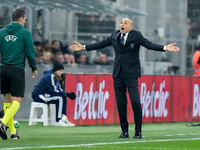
x: 76, y: 47
x: 172, y: 48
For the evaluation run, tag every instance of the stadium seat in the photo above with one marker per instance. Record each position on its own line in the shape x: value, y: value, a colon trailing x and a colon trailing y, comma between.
x: 48, y: 117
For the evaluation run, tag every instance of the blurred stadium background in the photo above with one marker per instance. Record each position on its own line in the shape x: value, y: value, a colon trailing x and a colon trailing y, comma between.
x: 86, y: 21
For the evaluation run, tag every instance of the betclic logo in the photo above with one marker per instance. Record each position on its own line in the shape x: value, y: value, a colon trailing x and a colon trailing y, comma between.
x: 196, y: 101
x: 91, y: 104
x: 154, y: 102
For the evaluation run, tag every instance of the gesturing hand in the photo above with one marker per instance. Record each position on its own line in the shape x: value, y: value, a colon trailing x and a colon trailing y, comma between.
x: 34, y: 74
x: 71, y: 95
x: 76, y: 47
x: 172, y: 48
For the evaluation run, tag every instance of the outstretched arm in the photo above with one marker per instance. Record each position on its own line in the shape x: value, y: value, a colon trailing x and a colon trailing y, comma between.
x: 77, y: 47
x: 172, y: 48
x: 94, y: 46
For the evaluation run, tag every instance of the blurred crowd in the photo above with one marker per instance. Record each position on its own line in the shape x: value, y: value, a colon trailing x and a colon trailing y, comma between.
x: 47, y: 52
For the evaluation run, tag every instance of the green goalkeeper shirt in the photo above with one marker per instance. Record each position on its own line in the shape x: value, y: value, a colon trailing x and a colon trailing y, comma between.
x: 16, y: 45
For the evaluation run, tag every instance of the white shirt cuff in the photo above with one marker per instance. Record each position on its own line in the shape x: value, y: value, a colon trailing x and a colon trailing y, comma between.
x: 165, y: 48
x: 84, y: 47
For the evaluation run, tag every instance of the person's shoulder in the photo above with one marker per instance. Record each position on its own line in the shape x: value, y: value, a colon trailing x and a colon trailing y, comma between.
x: 25, y: 31
x: 116, y: 31
x: 48, y: 72
x: 135, y: 32
x: 46, y: 78
x: 2, y: 31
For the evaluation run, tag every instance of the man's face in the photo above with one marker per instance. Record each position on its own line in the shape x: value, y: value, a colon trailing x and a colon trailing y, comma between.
x: 125, y: 25
x: 56, y: 45
x: 38, y: 48
x: 60, y: 58
x: 103, y: 58
x: 82, y: 59
x: 46, y: 57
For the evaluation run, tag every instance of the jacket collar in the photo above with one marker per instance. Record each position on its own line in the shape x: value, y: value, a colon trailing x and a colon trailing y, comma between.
x: 129, y: 35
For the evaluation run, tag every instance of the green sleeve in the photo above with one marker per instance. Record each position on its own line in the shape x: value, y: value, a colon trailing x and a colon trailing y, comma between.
x: 29, y: 50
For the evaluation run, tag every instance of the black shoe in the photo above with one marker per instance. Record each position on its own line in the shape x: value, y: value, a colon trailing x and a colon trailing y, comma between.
x: 3, y: 131
x: 14, y: 136
x: 124, y: 135
x: 137, y: 136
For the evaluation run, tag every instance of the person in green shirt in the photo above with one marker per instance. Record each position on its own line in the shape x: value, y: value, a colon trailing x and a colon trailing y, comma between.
x: 16, y: 45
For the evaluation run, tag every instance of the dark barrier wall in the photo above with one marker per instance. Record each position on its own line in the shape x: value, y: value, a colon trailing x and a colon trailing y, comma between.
x: 163, y: 99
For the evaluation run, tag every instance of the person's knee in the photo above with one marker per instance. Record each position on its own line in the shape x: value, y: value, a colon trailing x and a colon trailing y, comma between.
x: 19, y: 99
x: 8, y: 98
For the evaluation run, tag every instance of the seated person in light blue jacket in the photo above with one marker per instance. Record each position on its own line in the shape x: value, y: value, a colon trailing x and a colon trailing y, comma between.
x: 49, y: 90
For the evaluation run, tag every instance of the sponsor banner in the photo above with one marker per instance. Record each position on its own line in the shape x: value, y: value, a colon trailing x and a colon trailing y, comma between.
x: 95, y: 101
x: 195, y: 99
x: 163, y: 99
x: 155, y: 98
x: 181, y: 92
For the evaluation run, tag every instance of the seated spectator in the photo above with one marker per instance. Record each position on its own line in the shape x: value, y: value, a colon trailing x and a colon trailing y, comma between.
x: 38, y: 52
x: 81, y: 59
x: 46, y: 45
x: 59, y: 57
x: 39, y: 58
x: 102, y: 59
x: 49, y: 90
x: 38, y: 46
x: 47, y: 57
x: 56, y: 46
x: 68, y: 55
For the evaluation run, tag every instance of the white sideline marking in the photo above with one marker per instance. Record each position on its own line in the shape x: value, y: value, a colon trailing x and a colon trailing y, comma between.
x: 133, y: 147
x: 96, y: 144
x: 181, y: 134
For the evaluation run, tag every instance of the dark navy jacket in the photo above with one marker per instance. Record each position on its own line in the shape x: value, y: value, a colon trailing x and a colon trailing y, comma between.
x: 126, y: 56
x: 48, y: 85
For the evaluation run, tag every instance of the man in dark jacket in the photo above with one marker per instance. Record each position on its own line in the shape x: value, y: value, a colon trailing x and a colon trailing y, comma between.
x: 49, y: 90
x: 16, y: 45
x: 126, y: 71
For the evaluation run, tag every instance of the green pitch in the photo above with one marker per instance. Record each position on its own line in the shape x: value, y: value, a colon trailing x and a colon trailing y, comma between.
x: 156, y: 136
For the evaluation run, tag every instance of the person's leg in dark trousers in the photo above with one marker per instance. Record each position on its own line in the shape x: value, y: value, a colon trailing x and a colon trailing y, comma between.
x: 132, y: 85
x: 61, y: 105
x: 59, y: 101
x: 121, y: 99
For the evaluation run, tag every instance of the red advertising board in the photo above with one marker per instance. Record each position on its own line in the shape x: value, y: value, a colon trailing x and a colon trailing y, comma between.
x: 195, y: 104
x: 155, y: 98
x: 181, y: 91
x: 163, y: 99
x: 95, y: 102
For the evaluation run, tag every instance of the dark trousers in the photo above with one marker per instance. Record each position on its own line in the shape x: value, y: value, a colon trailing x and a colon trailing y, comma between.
x: 121, y: 86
